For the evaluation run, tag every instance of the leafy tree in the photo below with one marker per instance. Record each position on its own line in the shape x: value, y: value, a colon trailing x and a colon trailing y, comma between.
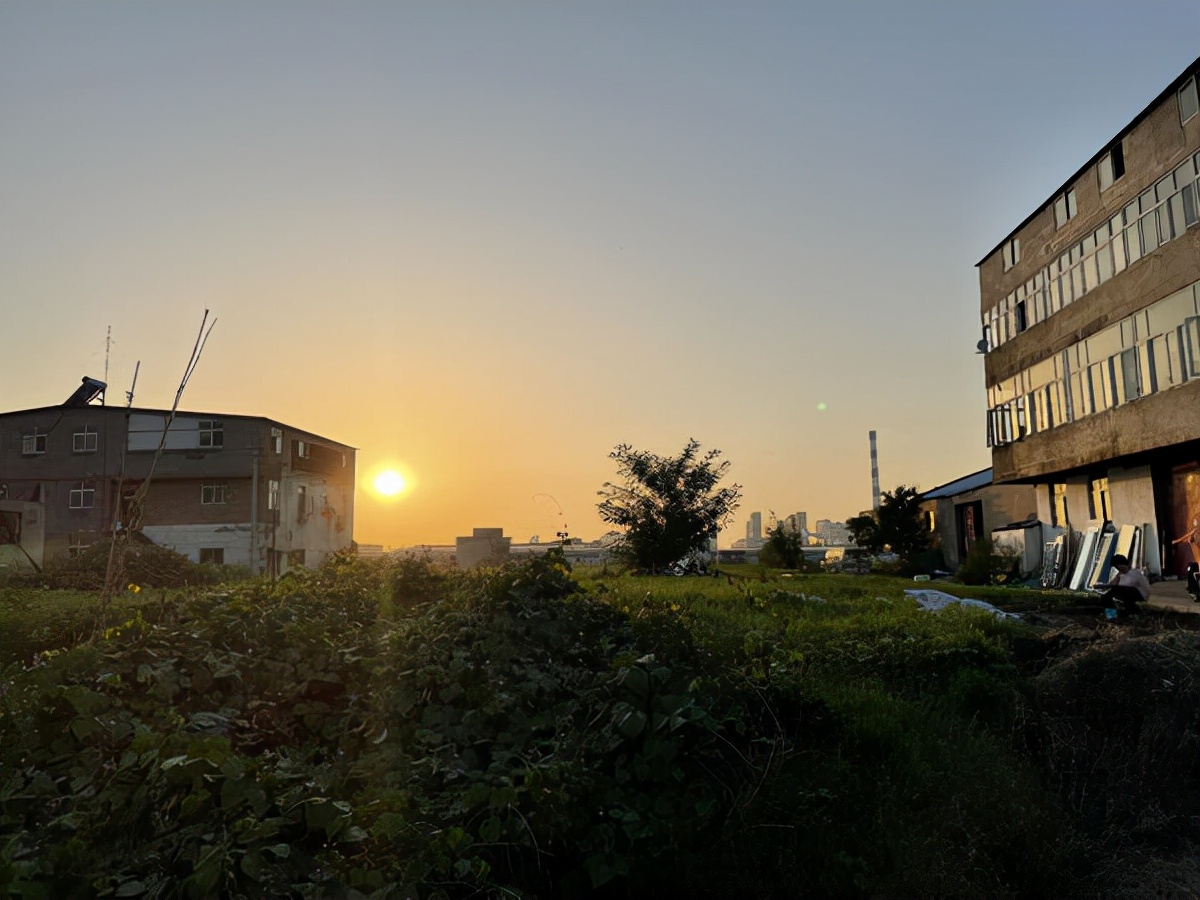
x: 667, y: 505
x: 896, y: 526
x: 784, y: 549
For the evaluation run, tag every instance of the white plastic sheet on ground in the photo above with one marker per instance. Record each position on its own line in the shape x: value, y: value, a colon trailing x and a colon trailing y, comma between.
x: 935, y: 600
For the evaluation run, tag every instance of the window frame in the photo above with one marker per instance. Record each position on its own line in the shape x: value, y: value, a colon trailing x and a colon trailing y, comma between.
x: 216, y: 556
x: 1192, y: 87
x: 215, y: 494
x: 85, y: 434
x: 212, y: 434
x: 1111, y: 167
x: 33, y: 444
x: 1066, y: 207
x: 86, y: 497
x: 1011, y: 253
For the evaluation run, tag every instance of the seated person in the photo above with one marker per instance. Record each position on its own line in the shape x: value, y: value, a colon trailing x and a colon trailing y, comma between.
x: 1127, y: 586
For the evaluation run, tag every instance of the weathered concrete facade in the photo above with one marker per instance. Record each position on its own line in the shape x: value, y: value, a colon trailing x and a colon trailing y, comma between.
x: 230, y: 489
x: 1091, y: 316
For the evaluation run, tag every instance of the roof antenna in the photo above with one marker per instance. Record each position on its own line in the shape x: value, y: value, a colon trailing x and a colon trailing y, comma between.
x: 107, y: 346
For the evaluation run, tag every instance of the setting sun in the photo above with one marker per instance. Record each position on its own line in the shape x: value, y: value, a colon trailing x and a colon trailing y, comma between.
x: 389, y: 483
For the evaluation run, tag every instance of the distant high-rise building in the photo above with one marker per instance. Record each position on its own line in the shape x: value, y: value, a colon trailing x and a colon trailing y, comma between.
x: 797, y: 523
x: 754, y: 529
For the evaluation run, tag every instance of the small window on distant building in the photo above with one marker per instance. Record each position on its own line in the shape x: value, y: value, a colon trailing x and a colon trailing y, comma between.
x: 211, y: 494
x: 277, y: 440
x: 1065, y: 208
x: 302, y: 504
x: 303, y: 449
x: 82, y: 497
x: 214, y: 555
x: 295, y: 559
x: 1112, y: 167
x: 33, y: 444
x: 1189, y: 100
x: 272, y: 494
x: 84, y: 441
x: 1022, y: 320
x: 212, y: 434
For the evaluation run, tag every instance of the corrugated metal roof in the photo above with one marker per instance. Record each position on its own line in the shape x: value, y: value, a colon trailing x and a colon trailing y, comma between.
x: 972, y: 482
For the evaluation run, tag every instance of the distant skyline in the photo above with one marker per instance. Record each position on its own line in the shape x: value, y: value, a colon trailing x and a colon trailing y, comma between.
x: 486, y: 242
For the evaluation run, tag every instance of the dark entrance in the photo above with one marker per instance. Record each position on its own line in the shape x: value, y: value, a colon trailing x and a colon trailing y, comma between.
x: 1184, y: 518
x: 970, y: 526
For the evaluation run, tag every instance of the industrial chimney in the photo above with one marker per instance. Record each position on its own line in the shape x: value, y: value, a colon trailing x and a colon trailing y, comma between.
x: 874, y: 473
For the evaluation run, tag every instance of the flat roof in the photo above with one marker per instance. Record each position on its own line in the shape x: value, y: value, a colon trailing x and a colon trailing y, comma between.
x: 166, y: 412
x: 1137, y: 120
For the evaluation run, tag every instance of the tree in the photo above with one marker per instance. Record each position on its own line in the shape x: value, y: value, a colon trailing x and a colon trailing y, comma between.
x: 897, y: 525
x: 784, y: 549
x: 668, y: 506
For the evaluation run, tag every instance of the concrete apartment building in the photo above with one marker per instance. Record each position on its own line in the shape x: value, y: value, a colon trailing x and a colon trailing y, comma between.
x: 229, y: 489
x: 1091, y: 320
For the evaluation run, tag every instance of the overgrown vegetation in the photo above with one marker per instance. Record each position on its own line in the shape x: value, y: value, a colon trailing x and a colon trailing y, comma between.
x: 385, y: 730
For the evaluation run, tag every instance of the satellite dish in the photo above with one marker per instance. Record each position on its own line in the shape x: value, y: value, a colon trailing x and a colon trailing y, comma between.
x: 982, y: 346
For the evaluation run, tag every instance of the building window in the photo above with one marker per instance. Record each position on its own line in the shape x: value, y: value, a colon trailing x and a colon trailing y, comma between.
x: 1022, y: 318
x: 212, y: 434
x: 33, y: 444
x: 276, y: 441
x: 82, y: 497
x: 1058, y: 506
x: 272, y: 494
x: 303, y: 449
x: 1189, y: 101
x: 214, y: 555
x: 1099, y: 503
x: 295, y: 559
x: 211, y: 494
x: 1065, y: 208
x: 302, y: 504
x: 1112, y: 167
x: 84, y: 441
x: 1012, y: 253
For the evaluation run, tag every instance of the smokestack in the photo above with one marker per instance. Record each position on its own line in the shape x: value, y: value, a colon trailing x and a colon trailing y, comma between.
x: 874, y: 474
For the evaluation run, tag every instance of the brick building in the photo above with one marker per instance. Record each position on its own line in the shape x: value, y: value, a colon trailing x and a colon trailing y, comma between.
x: 1091, y: 320
x: 229, y: 489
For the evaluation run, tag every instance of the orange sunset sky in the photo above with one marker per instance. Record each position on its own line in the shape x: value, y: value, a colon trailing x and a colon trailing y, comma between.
x: 486, y: 242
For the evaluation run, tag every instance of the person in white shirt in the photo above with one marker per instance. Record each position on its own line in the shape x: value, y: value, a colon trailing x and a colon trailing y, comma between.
x: 1127, y: 587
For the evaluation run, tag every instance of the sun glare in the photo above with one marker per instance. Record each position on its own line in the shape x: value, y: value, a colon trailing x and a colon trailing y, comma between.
x: 389, y: 483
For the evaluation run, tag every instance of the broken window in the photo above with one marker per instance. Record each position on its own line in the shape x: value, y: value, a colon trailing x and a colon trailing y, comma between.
x: 214, y: 555
x: 1065, y: 208
x: 1112, y: 167
x: 1012, y: 253
x: 33, y: 444
x: 276, y: 440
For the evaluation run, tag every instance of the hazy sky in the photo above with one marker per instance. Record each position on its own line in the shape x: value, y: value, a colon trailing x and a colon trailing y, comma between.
x: 486, y: 242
